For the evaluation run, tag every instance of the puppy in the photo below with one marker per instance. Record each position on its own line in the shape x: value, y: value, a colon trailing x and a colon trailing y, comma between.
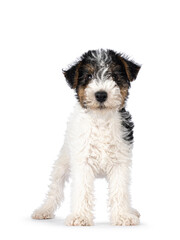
x: 98, y: 140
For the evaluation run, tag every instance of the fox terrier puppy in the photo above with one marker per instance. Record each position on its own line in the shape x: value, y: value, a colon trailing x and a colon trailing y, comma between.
x: 98, y: 140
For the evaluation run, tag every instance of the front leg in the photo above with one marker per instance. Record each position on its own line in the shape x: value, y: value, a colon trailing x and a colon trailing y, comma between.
x: 82, y: 196
x: 55, y: 195
x: 119, y: 198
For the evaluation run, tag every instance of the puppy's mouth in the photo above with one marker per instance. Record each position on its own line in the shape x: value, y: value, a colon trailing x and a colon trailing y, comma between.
x: 101, y: 106
x: 89, y: 105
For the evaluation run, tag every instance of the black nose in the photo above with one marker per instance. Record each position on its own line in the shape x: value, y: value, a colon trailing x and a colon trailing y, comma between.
x: 101, y: 96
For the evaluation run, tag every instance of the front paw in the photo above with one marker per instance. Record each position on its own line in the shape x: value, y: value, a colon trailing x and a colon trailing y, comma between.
x: 76, y: 220
x: 42, y: 214
x: 125, y: 219
x: 135, y: 212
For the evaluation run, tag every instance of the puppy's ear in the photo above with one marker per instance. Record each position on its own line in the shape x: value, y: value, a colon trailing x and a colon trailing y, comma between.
x: 72, y: 75
x: 131, y: 68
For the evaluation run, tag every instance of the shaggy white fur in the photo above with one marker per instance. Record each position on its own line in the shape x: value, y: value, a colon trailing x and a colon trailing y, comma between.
x: 94, y: 147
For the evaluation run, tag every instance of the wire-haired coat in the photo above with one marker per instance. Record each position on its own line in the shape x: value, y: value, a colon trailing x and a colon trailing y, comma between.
x: 98, y: 140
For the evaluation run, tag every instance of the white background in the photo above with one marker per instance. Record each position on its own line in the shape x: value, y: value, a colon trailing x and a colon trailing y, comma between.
x: 38, y: 39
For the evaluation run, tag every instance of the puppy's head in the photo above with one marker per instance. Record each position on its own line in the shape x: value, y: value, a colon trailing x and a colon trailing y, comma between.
x: 102, y: 79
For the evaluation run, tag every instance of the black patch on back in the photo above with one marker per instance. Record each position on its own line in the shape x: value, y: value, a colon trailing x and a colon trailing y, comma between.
x: 128, y: 125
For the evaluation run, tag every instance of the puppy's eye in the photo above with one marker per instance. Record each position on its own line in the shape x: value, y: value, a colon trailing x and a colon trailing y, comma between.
x: 89, y: 77
x: 115, y: 76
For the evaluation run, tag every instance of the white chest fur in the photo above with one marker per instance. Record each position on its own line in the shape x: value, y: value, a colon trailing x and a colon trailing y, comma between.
x: 96, y: 137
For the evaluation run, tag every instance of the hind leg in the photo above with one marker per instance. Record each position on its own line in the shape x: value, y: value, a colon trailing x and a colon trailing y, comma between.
x: 55, y: 195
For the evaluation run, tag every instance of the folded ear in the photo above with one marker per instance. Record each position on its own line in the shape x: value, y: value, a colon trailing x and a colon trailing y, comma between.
x: 72, y: 75
x: 131, y: 68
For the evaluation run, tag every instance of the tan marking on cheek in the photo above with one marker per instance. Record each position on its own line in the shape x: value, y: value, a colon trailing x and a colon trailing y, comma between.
x: 124, y: 93
x: 81, y: 94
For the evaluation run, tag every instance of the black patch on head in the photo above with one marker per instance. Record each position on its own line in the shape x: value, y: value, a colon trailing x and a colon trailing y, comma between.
x: 128, y: 125
x: 121, y: 68
x: 125, y: 68
x: 84, y: 76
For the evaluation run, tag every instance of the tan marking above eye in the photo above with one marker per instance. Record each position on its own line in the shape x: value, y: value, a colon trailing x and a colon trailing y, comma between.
x: 89, y: 68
